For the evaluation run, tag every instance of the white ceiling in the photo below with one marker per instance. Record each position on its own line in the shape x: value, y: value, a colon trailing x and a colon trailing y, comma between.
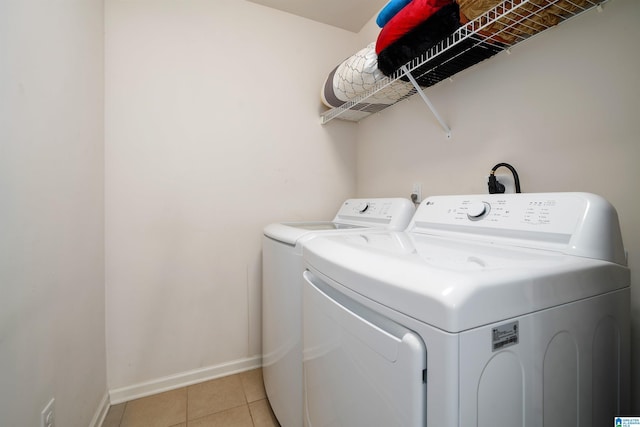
x: 347, y: 14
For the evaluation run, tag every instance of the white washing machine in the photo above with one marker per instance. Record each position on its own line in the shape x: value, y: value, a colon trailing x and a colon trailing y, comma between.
x: 282, y: 294
x: 490, y: 310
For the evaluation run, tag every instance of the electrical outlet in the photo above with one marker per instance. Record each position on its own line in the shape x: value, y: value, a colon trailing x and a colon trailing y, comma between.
x: 417, y: 190
x: 47, y: 416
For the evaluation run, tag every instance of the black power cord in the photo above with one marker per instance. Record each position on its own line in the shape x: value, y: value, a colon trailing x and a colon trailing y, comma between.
x: 494, y: 184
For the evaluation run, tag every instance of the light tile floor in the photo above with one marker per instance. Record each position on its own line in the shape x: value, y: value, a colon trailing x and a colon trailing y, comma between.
x: 234, y: 401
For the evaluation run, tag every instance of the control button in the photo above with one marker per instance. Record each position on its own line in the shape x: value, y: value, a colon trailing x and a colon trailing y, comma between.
x: 478, y: 210
x: 362, y: 207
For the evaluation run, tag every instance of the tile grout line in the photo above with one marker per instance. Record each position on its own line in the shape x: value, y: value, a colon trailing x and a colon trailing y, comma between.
x: 253, y: 422
x: 122, y: 415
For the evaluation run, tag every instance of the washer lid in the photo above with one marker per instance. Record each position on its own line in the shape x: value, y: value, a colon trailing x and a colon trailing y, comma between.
x: 291, y: 232
x: 456, y: 284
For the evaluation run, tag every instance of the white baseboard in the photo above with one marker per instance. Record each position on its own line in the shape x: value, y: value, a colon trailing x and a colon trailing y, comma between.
x: 184, y: 379
x: 101, y: 412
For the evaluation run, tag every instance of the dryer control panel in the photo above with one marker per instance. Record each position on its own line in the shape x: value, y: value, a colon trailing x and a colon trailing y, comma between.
x: 544, y: 214
x: 577, y: 223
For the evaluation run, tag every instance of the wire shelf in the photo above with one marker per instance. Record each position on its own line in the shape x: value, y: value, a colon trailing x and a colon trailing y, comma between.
x: 498, y: 29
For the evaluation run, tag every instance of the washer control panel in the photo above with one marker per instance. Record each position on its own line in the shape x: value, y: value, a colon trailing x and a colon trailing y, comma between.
x: 393, y: 213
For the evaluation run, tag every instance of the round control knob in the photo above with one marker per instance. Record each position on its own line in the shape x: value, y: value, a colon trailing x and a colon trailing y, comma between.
x: 362, y: 207
x: 477, y: 210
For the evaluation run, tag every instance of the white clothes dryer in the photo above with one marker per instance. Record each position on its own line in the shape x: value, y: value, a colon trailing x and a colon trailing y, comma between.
x: 282, y: 294
x: 489, y: 311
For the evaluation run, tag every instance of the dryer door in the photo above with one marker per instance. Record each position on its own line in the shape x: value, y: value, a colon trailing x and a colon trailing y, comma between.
x: 360, y: 368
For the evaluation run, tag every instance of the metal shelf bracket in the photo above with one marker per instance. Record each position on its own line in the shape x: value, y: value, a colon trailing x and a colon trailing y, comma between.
x: 420, y: 92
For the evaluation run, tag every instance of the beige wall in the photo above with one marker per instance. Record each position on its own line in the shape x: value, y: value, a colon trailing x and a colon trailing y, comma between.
x: 212, y: 132
x: 563, y: 108
x: 52, y: 339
